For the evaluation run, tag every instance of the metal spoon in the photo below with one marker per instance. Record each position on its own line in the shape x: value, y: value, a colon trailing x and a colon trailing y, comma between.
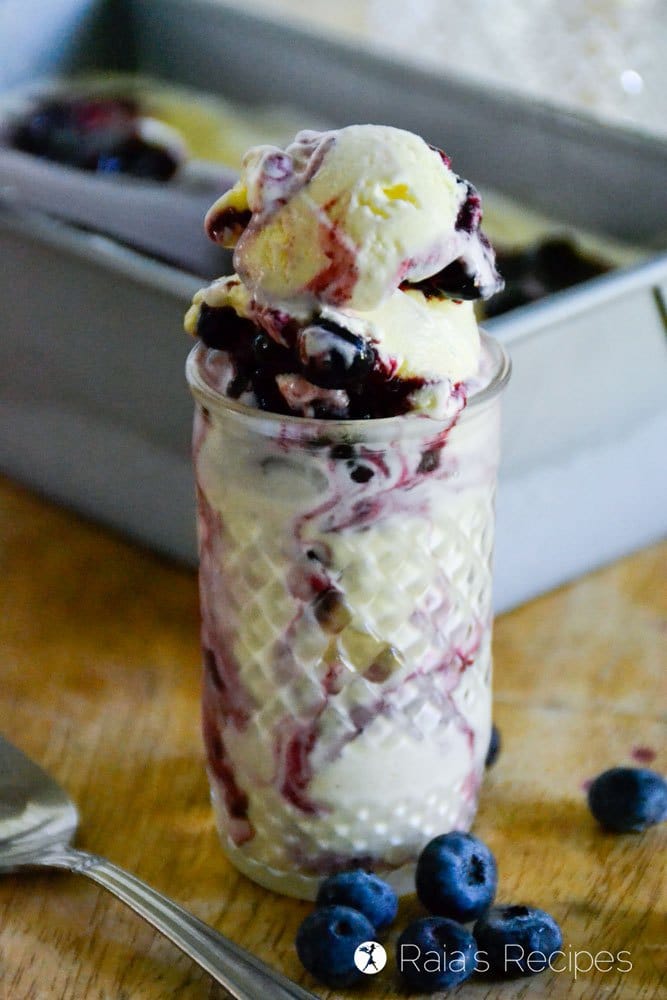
x: 37, y: 823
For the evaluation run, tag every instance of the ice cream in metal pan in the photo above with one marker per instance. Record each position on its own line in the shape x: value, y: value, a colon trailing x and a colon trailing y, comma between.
x: 345, y: 450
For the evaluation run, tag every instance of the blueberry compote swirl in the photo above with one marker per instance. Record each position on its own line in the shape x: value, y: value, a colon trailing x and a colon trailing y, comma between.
x: 314, y: 367
x: 358, y: 255
x: 311, y: 364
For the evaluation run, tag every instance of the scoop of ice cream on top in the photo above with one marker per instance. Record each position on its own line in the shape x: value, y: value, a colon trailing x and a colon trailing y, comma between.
x: 358, y: 253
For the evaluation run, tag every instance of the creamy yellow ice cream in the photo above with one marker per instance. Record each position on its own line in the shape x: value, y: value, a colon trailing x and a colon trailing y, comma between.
x: 363, y: 230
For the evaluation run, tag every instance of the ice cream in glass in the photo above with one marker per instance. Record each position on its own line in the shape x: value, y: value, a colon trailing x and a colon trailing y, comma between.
x: 345, y: 452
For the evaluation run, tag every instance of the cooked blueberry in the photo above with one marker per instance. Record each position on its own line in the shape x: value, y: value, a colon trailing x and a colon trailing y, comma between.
x: 435, y: 953
x: 362, y: 891
x: 267, y: 394
x: 222, y: 329
x: 429, y: 460
x: 333, y: 357
x: 269, y: 354
x: 361, y: 473
x: 628, y: 799
x: 453, y: 282
x: 227, y: 223
x: 456, y: 876
x: 34, y: 133
x: 517, y: 940
x: 138, y: 159
x: 383, y: 396
x: 319, y: 552
x: 342, y: 452
x: 92, y: 134
x: 238, y: 384
x: 327, y: 940
x: 494, y: 747
x: 330, y: 409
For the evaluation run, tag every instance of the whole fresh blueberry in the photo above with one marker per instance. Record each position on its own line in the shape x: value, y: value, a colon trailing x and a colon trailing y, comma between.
x: 628, y: 799
x: 435, y: 953
x: 362, y: 891
x: 333, y: 357
x: 516, y: 940
x: 456, y: 876
x: 495, y: 743
x: 327, y: 940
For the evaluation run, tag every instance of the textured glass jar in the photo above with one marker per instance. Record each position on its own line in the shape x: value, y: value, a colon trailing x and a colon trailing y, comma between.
x: 345, y: 581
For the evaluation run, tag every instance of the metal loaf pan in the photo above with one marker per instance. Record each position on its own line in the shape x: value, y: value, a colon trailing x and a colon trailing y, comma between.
x: 94, y: 408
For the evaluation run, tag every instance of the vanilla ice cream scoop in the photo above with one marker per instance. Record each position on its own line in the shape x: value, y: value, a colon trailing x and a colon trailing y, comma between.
x: 358, y: 253
x: 344, y: 217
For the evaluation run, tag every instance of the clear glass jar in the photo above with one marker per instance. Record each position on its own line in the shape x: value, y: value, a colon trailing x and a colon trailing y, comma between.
x: 345, y: 582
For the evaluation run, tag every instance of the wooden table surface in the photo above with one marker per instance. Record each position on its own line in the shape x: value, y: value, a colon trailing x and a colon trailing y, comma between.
x: 100, y: 683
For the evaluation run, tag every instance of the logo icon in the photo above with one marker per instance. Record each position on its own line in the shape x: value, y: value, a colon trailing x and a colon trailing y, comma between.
x: 370, y: 957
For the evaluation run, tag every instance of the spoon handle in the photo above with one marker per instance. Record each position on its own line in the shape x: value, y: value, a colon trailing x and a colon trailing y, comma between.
x: 242, y: 974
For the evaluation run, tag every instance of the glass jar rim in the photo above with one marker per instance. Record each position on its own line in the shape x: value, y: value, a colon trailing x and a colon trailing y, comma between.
x: 217, y: 402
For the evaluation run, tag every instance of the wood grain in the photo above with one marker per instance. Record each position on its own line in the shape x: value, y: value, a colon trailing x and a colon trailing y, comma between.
x: 100, y: 683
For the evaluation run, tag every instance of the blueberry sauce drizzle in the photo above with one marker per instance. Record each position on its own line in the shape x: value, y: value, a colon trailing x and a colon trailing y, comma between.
x: 325, y: 354
x: 470, y: 213
x: 225, y: 225
x: 95, y: 134
x: 459, y: 280
x: 453, y: 282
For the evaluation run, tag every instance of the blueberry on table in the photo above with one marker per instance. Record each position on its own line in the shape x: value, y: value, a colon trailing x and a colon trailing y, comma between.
x: 495, y: 744
x: 327, y: 940
x: 435, y: 953
x: 362, y: 891
x: 628, y: 799
x: 333, y: 357
x: 456, y: 876
x: 516, y: 940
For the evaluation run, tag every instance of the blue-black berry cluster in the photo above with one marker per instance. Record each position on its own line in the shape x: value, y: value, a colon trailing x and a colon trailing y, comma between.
x: 324, y: 353
x: 351, y: 908
x: 456, y: 881
x: 99, y: 134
